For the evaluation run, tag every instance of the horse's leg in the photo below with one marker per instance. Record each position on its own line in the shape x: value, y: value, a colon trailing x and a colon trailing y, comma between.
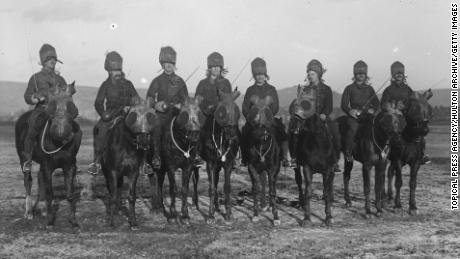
x: 263, y: 197
x: 228, y: 192
x: 307, y: 174
x: 390, y: 175
x: 158, y: 202
x: 216, y: 184
x: 346, y: 181
x: 196, y: 178
x: 185, y: 184
x: 172, y: 194
x: 132, y: 181
x: 153, y: 181
x: 113, y: 196
x: 379, y: 185
x: 367, y: 187
x: 211, y: 191
x: 47, y: 175
x: 40, y: 205
x: 398, y: 183
x: 28, y: 186
x: 413, y: 186
x: 298, y: 180
x: 69, y: 178
x: 272, y: 193
x: 328, y: 181
x: 255, y: 191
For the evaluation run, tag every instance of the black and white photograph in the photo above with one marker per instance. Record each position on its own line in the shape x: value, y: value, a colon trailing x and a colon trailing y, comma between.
x: 229, y: 129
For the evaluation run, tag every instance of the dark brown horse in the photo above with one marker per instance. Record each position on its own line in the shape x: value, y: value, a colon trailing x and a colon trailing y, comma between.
x: 57, y: 147
x: 371, y: 141
x: 409, y: 149
x: 179, y: 145
x: 316, y: 154
x: 129, y: 142
x: 220, y: 140
x: 264, y: 156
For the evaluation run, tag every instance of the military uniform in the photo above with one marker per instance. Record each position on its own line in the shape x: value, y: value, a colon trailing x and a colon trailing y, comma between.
x: 359, y: 98
x: 40, y: 86
x: 111, y: 99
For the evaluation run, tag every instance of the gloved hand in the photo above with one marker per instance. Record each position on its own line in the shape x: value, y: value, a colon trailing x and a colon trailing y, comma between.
x: 322, y: 116
x: 371, y: 111
x: 160, y: 106
x: 106, y: 116
x: 354, y: 113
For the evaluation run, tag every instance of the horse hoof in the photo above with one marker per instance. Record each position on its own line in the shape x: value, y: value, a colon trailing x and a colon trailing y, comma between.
x: 186, y: 221
x: 172, y: 220
x: 306, y: 223
x: 368, y: 215
x: 327, y: 223
x: 134, y: 228
x: 28, y: 216
x: 255, y: 219
x: 228, y: 217
x: 379, y: 214
x: 348, y: 205
x: 413, y: 212
x: 276, y: 222
x: 210, y: 221
x: 397, y: 210
x: 265, y: 208
x: 49, y: 227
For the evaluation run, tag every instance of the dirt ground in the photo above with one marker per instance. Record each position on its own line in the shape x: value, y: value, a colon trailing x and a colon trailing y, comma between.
x: 433, y: 233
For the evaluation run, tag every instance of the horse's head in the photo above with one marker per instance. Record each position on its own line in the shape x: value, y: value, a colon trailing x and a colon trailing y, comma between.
x: 305, y: 103
x: 260, y: 117
x: 191, y: 118
x: 62, y: 111
x: 391, y: 119
x: 227, y: 114
x: 419, y: 112
x: 141, y: 120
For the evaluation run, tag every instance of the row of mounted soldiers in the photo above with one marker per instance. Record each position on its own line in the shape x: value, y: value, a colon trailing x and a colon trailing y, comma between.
x: 117, y: 92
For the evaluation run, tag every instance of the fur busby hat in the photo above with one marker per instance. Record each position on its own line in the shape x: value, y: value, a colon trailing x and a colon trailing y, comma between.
x: 113, y: 61
x: 48, y: 52
x: 360, y: 67
x: 397, y: 67
x: 167, y: 55
x: 315, y: 65
x: 215, y: 59
x: 258, y: 66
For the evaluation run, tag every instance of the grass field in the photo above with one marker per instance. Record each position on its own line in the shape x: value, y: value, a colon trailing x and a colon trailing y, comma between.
x: 434, y: 232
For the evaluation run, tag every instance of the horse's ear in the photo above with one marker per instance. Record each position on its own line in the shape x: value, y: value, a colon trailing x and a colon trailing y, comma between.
x: 71, y: 88
x: 236, y: 94
x: 268, y: 100
x: 428, y: 94
x: 254, y: 99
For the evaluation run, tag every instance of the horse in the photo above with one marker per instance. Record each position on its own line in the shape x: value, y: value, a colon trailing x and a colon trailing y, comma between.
x: 409, y: 149
x: 57, y: 147
x: 316, y: 153
x: 178, y: 146
x: 220, y: 138
x: 128, y: 144
x: 371, y: 149
x: 264, y: 156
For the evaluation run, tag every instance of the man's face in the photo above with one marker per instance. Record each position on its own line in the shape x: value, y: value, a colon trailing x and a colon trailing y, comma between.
x: 215, y: 71
x: 260, y: 79
x: 312, y: 77
x: 168, y: 68
x: 115, y: 75
x: 50, y: 64
x: 360, y: 78
x: 399, y: 77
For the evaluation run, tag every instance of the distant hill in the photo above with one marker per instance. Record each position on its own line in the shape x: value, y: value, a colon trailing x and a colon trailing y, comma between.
x: 12, y: 101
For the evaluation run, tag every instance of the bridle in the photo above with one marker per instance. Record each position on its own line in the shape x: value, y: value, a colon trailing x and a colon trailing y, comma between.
x: 222, y: 154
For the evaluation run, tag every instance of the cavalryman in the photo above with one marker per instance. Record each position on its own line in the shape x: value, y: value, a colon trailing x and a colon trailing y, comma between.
x: 399, y: 91
x: 323, y: 107
x: 213, y: 83
x: 357, y: 98
x: 40, y: 85
x: 168, y: 89
x: 115, y: 93
x: 262, y: 89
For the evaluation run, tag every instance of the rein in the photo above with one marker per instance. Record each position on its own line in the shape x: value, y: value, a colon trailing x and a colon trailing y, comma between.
x: 262, y: 156
x: 223, y: 155
x: 42, y: 144
x: 382, y: 150
x: 185, y: 153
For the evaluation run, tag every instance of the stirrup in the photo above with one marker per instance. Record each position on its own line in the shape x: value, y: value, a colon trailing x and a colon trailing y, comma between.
x: 94, y: 168
x: 27, y: 167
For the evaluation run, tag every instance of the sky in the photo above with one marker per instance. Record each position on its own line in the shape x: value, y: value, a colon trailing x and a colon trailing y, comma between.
x: 287, y: 34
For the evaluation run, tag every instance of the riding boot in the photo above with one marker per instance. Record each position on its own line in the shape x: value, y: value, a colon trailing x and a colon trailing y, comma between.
x: 27, y: 166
